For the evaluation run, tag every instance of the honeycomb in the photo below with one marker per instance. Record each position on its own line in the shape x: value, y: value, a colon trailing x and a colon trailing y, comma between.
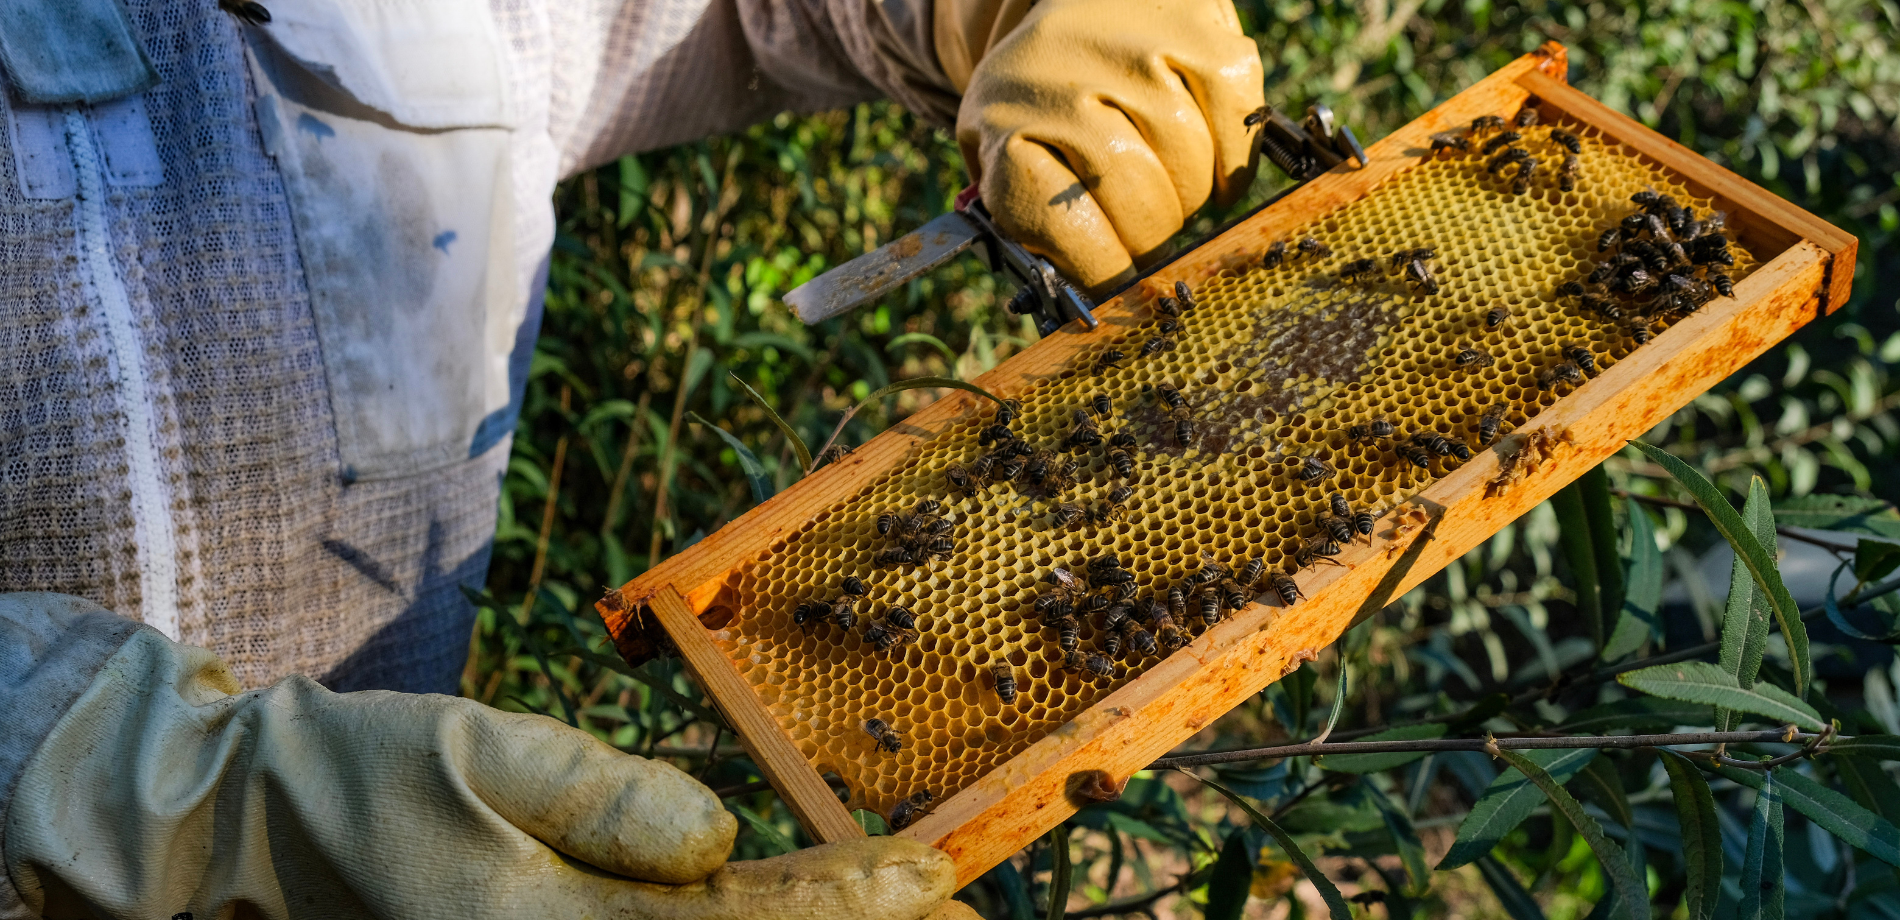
x: 1277, y: 364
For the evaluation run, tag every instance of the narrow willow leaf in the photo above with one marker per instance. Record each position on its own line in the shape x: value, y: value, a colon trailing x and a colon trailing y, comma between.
x: 1517, y: 902
x: 1835, y: 813
x: 1335, y: 902
x: 1840, y: 512
x: 755, y: 474
x: 1573, y: 535
x: 1702, y: 682
x: 1405, y: 840
x: 1878, y: 747
x: 1299, y: 695
x: 784, y: 427
x: 1701, y: 835
x: 1507, y: 802
x: 911, y: 383
x: 1761, y: 862
x: 1760, y: 562
x: 1339, y: 705
x: 1602, y: 784
x: 897, y: 344
x: 1374, y: 763
x: 1232, y: 880
x: 1594, y: 488
x: 1745, y: 620
x: 1875, y: 559
x: 1641, y: 613
x: 1839, y: 617
x: 1624, y: 883
x: 766, y: 831
x: 1637, y: 714
x: 1015, y: 890
x: 871, y: 823
x: 1062, y: 875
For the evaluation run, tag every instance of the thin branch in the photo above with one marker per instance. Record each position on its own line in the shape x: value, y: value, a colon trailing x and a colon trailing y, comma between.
x: 726, y: 792
x: 1310, y: 749
x: 1788, y: 532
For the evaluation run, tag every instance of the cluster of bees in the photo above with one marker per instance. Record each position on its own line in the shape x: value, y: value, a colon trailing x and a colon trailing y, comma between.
x: 1502, y: 151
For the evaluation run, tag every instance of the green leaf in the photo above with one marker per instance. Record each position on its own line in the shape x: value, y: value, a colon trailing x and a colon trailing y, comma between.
x: 1641, y: 613
x: 1840, y: 512
x: 1594, y: 488
x: 871, y: 822
x: 1624, y: 882
x: 1761, y: 881
x: 1875, y: 559
x: 1761, y: 563
x: 897, y: 343
x: 1374, y: 763
x: 1573, y: 535
x: 1232, y: 880
x: 663, y: 688
x: 1335, y: 903
x: 1877, y: 747
x: 1015, y: 890
x: 1600, y: 783
x: 1299, y: 695
x: 1339, y: 704
x: 1518, y: 903
x: 1835, y: 813
x: 1745, y: 622
x: 1702, y: 682
x: 1637, y: 714
x: 918, y: 383
x: 770, y: 834
x: 760, y: 339
x: 1404, y: 840
x: 755, y: 474
x: 1507, y: 802
x: 784, y: 427
x: 1701, y: 835
x: 1062, y: 875
x: 1838, y: 617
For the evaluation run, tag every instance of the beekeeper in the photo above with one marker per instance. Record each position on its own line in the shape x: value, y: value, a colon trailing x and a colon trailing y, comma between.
x: 270, y: 278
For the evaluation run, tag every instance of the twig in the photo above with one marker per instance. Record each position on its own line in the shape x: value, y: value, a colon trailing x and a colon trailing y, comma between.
x: 1788, y: 532
x: 547, y: 514
x: 1309, y: 749
x: 712, y: 752
x: 1140, y: 903
x: 614, y: 496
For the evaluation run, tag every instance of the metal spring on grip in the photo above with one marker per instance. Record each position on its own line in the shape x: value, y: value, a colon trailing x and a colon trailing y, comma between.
x: 1294, y: 165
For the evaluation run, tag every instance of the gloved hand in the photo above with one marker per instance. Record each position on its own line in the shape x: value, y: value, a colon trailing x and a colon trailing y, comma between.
x: 1094, y: 128
x: 163, y: 790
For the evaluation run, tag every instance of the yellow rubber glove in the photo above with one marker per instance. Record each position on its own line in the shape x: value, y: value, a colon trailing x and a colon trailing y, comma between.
x: 162, y: 790
x: 1094, y: 128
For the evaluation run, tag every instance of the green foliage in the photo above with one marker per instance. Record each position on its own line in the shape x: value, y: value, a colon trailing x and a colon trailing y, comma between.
x: 672, y: 390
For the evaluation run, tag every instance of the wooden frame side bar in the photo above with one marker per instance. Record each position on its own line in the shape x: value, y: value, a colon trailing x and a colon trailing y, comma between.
x: 811, y: 800
x: 1778, y: 220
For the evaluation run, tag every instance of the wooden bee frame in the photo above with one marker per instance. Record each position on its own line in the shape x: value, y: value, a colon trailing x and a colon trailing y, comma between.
x: 1808, y: 267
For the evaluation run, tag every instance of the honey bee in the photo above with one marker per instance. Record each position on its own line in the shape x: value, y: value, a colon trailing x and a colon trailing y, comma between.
x: 1288, y: 589
x: 1602, y: 306
x: 1068, y: 632
x: 894, y: 556
x: 1490, y: 422
x: 1434, y: 442
x: 1177, y: 602
x: 1337, y: 527
x: 1251, y: 572
x: 1167, y: 327
x: 809, y: 612
x: 1527, y: 116
x: 1401, y: 256
x: 991, y: 434
x: 844, y: 613
x: 981, y: 469
x: 1336, y: 503
x: 1470, y: 357
x: 1417, y: 272
x: 1167, y: 306
x: 1565, y: 373
x: 1305, y: 555
x: 1122, y: 440
x: 1362, y: 522
x: 1183, y: 431
x: 1499, y: 143
x: 1276, y: 255
x: 1120, y: 495
x: 1416, y: 455
x: 1512, y: 155
x: 1171, y: 397
x: 853, y: 585
x: 1184, y: 295
x: 1209, y: 572
x: 1009, y: 469
x: 1123, y: 464
x: 1109, y: 358
x: 1380, y: 427
x: 1566, y: 140
x: 1486, y: 123
x: 1445, y: 141
x: 1723, y: 284
x: 1526, y: 170
x: 1313, y: 468
x: 887, y: 738
x: 1711, y: 249
x: 1609, y: 238
x: 1640, y: 333
x: 1234, y: 596
x: 1166, y: 624
x: 1311, y: 247
x: 1458, y: 448
x: 1111, y: 577
x: 1210, y: 608
x: 1156, y: 345
x: 1139, y: 640
x: 1007, y: 411
x: 929, y: 506
x: 906, y: 812
x: 959, y: 479
x: 1358, y: 269
x: 1582, y: 356
x: 1094, y: 665
x: 900, y: 617
x: 1101, y: 404
x: 1567, y: 173
x: 886, y: 636
x: 1005, y: 678
x: 1065, y: 515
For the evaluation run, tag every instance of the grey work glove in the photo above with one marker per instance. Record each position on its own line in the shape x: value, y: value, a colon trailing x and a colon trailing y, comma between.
x: 163, y: 790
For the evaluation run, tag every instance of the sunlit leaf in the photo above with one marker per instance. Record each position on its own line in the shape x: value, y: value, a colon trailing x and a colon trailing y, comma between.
x: 1745, y: 619
x: 784, y: 427
x: 755, y: 474
x: 1339, y: 705
x: 1761, y: 563
x: 1624, y: 883
x: 1507, y: 802
x: 898, y: 342
x: 1702, y: 682
x: 1701, y: 835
